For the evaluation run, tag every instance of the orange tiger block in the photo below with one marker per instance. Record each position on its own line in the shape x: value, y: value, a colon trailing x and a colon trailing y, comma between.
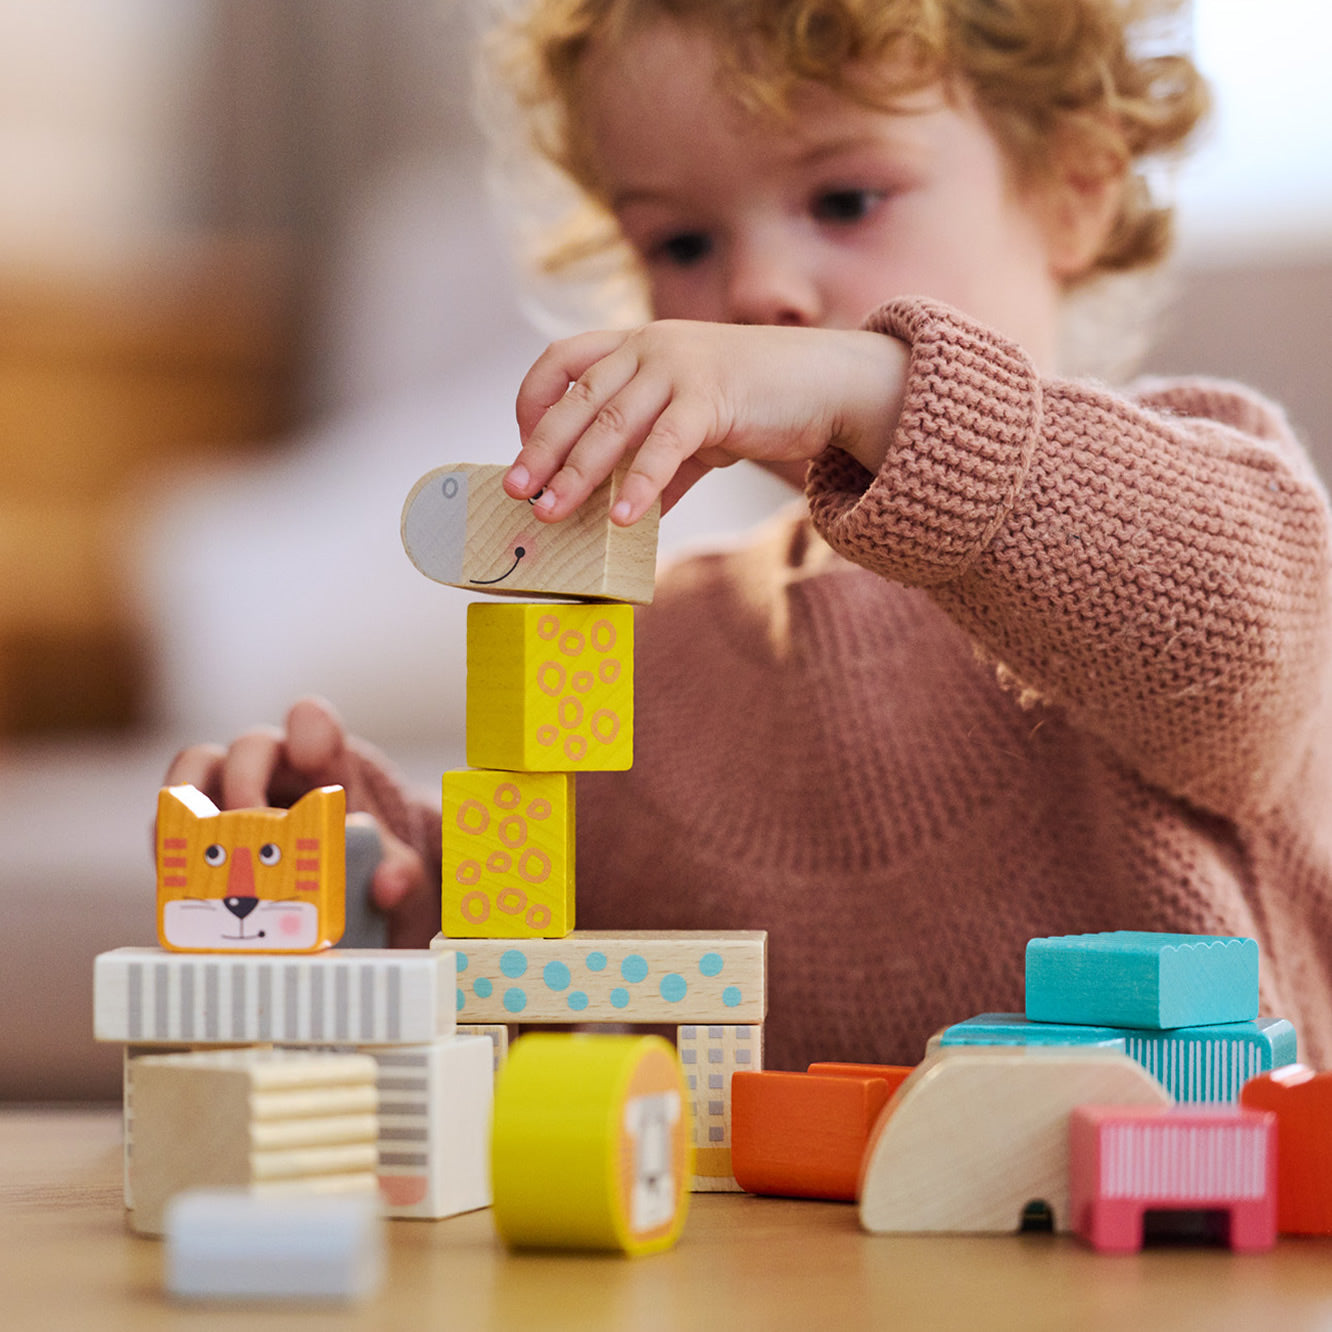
x: 802, y: 1135
x: 1302, y: 1102
x: 250, y: 880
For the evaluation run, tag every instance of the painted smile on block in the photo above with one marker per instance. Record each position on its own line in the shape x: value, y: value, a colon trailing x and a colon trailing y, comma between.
x: 519, y: 552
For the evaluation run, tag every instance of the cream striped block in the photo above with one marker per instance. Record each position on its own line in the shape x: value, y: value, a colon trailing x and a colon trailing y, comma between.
x: 343, y: 997
x: 676, y: 976
x: 710, y: 1055
x: 434, y: 1126
x: 264, y: 1120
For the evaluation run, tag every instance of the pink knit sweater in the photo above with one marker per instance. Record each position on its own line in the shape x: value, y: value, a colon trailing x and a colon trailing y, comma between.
x: 1063, y: 665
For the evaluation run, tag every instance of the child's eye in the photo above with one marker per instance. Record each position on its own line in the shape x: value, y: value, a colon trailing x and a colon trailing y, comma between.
x: 270, y: 853
x: 846, y: 205
x: 215, y: 855
x: 684, y: 249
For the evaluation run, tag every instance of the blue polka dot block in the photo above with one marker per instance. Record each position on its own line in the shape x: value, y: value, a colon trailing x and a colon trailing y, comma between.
x: 1130, y: 978
x: 632, y: 976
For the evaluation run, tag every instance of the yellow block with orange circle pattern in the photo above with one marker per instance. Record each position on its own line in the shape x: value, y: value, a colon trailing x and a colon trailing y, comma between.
x: 508, y: 863
x: 550, y: 686
x: 591, y: 1144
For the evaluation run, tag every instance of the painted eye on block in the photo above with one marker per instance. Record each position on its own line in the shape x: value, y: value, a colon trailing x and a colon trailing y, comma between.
x: 215, y: 855
x: 270, y: 853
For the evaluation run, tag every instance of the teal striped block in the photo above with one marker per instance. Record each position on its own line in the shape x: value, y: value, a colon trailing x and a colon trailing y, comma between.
x: 1131, y: 978
x: 1205, y: 1063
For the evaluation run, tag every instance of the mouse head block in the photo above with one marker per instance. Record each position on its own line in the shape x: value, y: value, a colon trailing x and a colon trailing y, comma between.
x: 460, y: 527
x: 250, y: 880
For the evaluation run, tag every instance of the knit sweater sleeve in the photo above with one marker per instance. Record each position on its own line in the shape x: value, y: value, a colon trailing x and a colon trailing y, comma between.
x: 1155, y: 564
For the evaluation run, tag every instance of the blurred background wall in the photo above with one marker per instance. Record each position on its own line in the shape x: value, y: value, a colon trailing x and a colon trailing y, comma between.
x: 250, y: 289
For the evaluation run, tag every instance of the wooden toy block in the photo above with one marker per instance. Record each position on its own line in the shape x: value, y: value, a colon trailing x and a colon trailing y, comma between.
x: 229, y: 1245
x: 250, y: 880
x: 366, y: 926
x: 1194, y: 1064
x: 131, y: 1055
x: 508, y: 865
x: 1301, y: 1100
x: 434, y: 1125
x: 461, y: 529
x: 975, y: 1136
x: 892, y: 1074
x: 550, y: 688
x: 1013, y: 1029
x: 1127, y: 1160
x: 672, y: 976
x: 264, y: 1120
x: 710, y: 1055
x: 591, y: 1146
x: 497, y: 1033
x: 803, y: 1135
x: 1130, y: 978
x: 397, y: 996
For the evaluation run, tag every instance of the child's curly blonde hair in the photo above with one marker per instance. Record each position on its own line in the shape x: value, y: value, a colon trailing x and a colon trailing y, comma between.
x: 1057, y: 80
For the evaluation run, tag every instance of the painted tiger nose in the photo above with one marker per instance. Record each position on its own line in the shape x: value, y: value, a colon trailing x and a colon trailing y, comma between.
x: 240, y: 880
x: 240, y: 907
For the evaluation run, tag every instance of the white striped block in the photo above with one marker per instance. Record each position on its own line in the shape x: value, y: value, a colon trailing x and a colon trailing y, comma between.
x: 374, y: 996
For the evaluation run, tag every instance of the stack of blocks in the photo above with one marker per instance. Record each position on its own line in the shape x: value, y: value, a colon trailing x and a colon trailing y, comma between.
x: 1079, y: 1100
x: 550, y: 693
x: 1184, y: 1006
x: 246, y: 997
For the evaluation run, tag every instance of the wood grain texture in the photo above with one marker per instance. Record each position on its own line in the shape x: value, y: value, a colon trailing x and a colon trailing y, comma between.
x: 250, y: 1119
x: 973, y: 1136
x: 461, y: 529
x: 672, y: 976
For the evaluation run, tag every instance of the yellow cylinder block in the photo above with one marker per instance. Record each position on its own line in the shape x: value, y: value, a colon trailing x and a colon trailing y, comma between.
x: 591, y: 1147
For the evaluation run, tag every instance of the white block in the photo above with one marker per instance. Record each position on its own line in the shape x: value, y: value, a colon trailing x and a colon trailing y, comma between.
x: 243, y: 1246
x: 434, y: 1126
x: 351, y: 996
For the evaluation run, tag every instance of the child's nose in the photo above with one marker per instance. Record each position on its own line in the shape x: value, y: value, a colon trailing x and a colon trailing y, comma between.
x: 767, y: 284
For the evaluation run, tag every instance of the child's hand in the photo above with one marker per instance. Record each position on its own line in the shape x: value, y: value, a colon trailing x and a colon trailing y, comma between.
x: 275, y: 767
x: 682, y: 397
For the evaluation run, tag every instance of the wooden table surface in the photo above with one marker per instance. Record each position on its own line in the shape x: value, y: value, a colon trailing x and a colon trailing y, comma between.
x: 67, y: 1261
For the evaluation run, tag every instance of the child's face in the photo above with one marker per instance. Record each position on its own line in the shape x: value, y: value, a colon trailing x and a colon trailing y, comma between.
x: 742, y: 219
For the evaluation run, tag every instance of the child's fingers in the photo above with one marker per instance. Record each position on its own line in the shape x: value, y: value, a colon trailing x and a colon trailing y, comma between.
x: 592, y: 436
x: 199, y: 766
x: 676, y: 434
x: 560, y: 365
x: 316, y: 740
x: 251, y: 764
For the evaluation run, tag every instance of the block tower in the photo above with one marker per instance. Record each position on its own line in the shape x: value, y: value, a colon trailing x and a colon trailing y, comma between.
x: 550, y: 694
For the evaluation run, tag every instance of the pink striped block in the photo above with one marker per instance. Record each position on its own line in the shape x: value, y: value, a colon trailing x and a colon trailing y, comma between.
x: 1127, y: 1160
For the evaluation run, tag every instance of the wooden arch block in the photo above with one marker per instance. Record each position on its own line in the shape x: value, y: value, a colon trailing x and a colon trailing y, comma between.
x: 973, y: 1137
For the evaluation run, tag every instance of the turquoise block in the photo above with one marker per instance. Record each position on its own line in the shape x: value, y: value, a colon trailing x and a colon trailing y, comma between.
x: 1128, y: 978
x: 1014, y: 1029
x: 1207, y: 1063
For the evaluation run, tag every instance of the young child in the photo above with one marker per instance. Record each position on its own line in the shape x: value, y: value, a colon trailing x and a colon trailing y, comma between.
x: 1041, y: 657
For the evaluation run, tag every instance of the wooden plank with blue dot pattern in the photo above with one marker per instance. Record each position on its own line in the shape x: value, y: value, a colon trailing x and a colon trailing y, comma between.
x: 630, y: 976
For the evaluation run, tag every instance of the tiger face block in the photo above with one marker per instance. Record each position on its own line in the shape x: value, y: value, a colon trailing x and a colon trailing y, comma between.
x: 250, y: 880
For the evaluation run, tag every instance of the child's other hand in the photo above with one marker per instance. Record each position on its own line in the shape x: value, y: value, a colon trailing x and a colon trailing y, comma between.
x: 275, y: 766
x: 682, y: 397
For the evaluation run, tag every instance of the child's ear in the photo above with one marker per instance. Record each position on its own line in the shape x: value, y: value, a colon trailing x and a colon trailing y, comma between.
x: 1079, y: 204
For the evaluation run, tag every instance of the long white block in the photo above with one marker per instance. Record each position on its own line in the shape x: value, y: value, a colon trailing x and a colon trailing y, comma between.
x: 371, y: 996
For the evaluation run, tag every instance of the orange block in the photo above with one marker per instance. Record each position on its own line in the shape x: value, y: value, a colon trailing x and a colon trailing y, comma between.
x: 893, y: 1074
x: 802, y: 1135
x: 1301, y: 1099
